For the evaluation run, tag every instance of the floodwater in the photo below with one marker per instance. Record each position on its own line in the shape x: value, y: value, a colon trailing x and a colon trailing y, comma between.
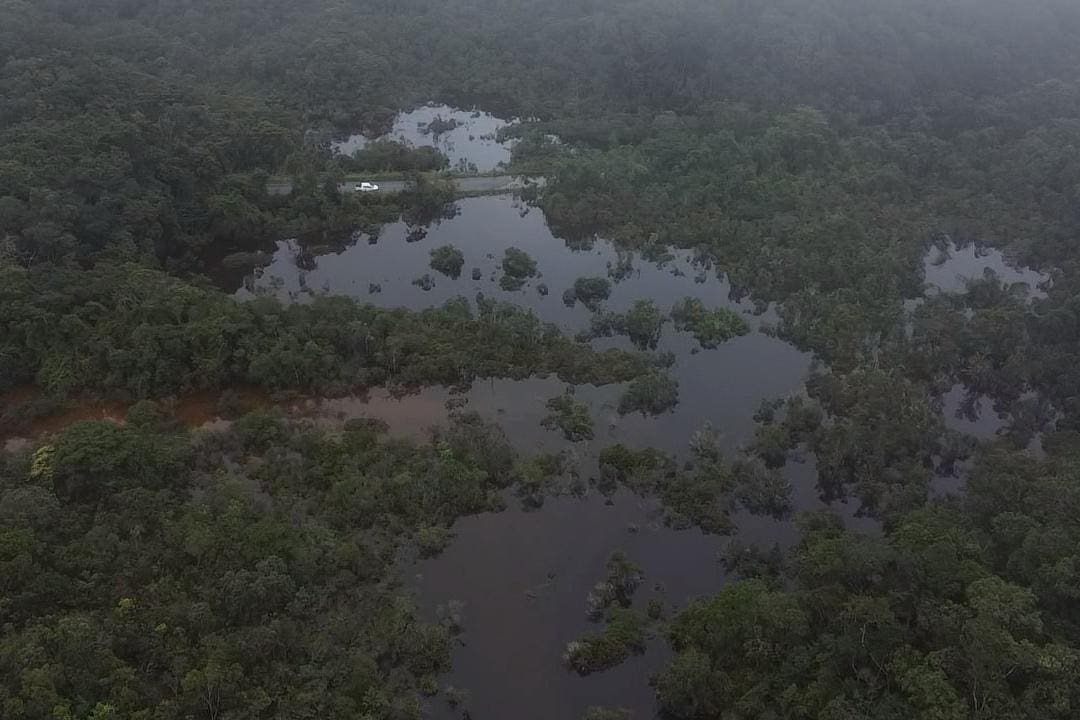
x: 970, y: 413
x: 723, y: 386
x: 470, y: 144
x: 523, y: 598
x: 194, y: 410
x: 948, y: 269
x: 520, y: 580
x: 522, y: 577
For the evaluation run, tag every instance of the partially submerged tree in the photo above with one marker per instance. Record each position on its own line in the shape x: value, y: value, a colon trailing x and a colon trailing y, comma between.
x: 590, y: 291
x: 653, y: 393
x: 425, y: 282
x: 624, y: 629
x: 710, y: 327
x: 569, y: 416
x: 642, y: 323
x: 517, y: 268
x: 448, y: 260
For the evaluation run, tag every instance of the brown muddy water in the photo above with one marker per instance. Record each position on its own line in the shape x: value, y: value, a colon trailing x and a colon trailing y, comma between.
x: 196, y: 410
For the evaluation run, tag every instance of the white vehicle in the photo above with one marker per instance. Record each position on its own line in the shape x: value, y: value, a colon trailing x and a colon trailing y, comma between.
x: 366, y: 187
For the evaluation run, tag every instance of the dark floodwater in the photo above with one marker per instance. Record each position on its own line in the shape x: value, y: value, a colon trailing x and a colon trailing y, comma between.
x: 971, y: 414
x: 521, y: 577
x: 471, y: 141
x: 524, y: 599
x: 723, y: 386
x: 947, y: 270
x: 521, y: 581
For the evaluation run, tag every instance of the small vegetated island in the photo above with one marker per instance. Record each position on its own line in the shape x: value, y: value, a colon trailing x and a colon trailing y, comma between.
x: 448, y: 260
x: 518, y: 267
x: 624, y: 629
x: 589, y: 291
x: 643, y: 323
x: 653, y: 393
x: 703, y: 491
x: 709, y: 327
x: 570, y: 417
x: 425, y: 282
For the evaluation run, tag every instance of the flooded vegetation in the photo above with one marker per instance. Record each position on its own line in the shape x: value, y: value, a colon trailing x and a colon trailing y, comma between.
x: 671, y: 302
x: 676, y: 360
x: 528, y: 575
x: 28, y: 415
x: 489, y: 233
x: 490, y: 575
x: 730, y: 380
x: 468, y: 138
x: 674, y: 303
x: 949, y: 268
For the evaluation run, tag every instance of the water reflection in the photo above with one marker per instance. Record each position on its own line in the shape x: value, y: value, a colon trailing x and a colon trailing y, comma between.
x: 523, y: 576
x: 950, y: 266
x: 519, y: 407
x: 483, y: 228
x: 467, y: 138
x: 971, y: 413
x: 523, y: 579
x: 723, y: 386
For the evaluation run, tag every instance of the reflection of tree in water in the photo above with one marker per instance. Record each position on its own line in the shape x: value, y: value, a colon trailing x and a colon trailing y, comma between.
x: 520, y: 201
x: 943, y: 256
x: 463, y: 164
x: 439, y: 126
x: 423, y: 214
x: 737, y: 293
x: 578, y: 242
x: 304, y: 258
x: 970, y: 407
x: 622, y: 267
x: 371, y: 232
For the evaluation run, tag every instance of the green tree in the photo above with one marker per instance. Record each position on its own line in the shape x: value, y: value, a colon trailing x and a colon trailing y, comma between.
x: 448, y: 260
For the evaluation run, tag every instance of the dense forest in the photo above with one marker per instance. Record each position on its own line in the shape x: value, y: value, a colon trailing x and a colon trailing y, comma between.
x: 811, y: 151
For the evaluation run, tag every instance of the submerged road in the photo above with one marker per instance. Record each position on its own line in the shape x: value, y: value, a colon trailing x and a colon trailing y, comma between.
x: 464, y: 185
